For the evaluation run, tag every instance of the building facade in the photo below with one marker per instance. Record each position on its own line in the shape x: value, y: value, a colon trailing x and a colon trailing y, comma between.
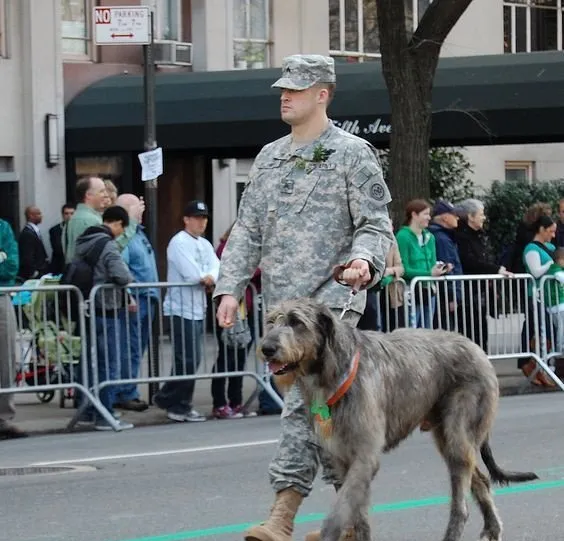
x: 48, y: 57
x: 32, y: 167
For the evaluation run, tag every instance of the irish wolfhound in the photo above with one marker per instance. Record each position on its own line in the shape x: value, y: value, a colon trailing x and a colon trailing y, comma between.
x: 368, y: 391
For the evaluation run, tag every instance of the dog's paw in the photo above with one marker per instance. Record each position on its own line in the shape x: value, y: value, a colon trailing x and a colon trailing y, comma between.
x: 489, y: 537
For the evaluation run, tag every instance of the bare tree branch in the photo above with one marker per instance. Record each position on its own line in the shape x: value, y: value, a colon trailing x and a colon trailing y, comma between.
x: 437, y: 22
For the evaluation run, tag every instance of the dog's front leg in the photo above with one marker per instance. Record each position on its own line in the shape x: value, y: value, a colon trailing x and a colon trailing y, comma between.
x: 353, y: 501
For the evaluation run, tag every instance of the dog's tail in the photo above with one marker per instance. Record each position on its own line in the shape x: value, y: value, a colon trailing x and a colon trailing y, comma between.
x: 500, y: 476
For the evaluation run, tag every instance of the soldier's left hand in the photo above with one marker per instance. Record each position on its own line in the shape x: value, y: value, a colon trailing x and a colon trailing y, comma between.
x: 357, y: 273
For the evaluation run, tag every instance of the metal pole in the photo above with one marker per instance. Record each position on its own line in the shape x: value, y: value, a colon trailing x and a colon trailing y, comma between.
x: 151, y: 185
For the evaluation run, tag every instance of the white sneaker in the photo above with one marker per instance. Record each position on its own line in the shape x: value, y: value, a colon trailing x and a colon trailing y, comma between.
x: 192, y: 416
x: 103, y: 426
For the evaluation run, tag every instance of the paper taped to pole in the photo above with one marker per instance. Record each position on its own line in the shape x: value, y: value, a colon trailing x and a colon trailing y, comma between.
x: 151, y: 164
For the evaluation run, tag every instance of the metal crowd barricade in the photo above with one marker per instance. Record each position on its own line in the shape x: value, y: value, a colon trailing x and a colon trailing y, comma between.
x: 392, y: 306
x: 498, y: 313
x: 551, y: 321
x: 188, y: 348
x: 45, y: 330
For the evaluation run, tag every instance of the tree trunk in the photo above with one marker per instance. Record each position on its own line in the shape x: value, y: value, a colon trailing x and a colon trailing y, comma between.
x: 409, y: 63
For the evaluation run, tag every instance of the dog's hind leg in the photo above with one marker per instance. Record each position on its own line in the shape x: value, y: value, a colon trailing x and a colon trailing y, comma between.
x: 353, y: 501
x: 482, y: 494
x: 460, y: 458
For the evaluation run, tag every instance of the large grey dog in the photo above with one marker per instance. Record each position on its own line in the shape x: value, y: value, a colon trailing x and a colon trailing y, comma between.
x: 396, y: 381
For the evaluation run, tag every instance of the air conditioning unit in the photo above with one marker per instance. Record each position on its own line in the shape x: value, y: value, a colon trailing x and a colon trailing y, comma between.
x: 172, y: 53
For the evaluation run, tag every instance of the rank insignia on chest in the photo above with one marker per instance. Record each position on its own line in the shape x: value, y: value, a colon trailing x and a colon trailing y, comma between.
x: 287, y: 185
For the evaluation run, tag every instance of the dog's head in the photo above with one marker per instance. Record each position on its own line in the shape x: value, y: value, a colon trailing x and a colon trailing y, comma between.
x: 296, y: 335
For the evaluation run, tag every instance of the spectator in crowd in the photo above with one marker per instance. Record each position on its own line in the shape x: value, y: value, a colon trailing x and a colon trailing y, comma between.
x: 524, y: 235
x: 191, y: 259
x: 91, y: 194
x: 475, y: 259
x: 9, y: 263
x: 538, y: 259
x: 419, y: 257
x: 111, y: 193
x: 34, y: 262
x: 559, y: 240
x: 383, y: 310
x: 55, y: 236
x: 92, y: 197
x: 449, y: 295
x: 109, y: 269
x: 554, y: 297
x: 231, y: 358
x: 135, y: 327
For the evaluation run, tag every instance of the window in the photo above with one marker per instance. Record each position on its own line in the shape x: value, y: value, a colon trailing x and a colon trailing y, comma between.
x: 3, y: 29
x: 532, y: 25
x: 251, y: 33
x: 353, y: 27
x: 75, y: 28
x: 169, y: 20
x: 519, y: 171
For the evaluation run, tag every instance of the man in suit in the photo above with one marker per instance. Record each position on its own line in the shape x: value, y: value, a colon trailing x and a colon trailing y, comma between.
x: 55, y: 236
x: 34, y: 262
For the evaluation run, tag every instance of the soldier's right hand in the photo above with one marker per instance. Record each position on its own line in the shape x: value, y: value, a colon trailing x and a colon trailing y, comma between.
x: 226, y: 311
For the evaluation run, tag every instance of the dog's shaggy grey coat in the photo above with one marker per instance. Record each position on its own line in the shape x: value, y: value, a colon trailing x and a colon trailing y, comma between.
x: 403, y: 378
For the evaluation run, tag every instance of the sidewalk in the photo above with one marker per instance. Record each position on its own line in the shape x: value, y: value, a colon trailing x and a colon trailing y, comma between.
x: 36, y: 418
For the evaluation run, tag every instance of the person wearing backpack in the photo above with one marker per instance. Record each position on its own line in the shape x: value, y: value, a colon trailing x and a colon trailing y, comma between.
x: 98, y: 249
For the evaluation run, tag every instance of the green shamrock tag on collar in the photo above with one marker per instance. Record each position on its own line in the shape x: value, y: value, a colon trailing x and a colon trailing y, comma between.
x: 320, y: 410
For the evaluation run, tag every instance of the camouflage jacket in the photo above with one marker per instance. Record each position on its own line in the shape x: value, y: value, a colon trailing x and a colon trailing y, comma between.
x: 304, y: 212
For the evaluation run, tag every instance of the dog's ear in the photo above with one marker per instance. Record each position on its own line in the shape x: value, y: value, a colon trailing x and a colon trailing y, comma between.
x: 326, y: 327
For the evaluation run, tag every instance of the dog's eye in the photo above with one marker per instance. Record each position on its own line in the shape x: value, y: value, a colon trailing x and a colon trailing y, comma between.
x: 293, y: 321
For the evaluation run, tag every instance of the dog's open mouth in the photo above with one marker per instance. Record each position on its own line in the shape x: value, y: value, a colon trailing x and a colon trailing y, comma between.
x: 278, y: 369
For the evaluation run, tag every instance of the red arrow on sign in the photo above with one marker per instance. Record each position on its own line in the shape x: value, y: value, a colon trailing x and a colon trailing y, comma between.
x: 122, y: 35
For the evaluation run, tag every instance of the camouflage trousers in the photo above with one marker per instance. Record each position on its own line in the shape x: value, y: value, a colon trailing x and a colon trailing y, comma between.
x: 299, y: 454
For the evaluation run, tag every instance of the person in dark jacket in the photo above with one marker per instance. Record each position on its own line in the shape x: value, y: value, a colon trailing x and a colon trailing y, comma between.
x: 56, y: 238
x: 449, y: 295
x: 109, y: 269
x: 475, y: 259
x: 34, y: 261
x: 559, y: 239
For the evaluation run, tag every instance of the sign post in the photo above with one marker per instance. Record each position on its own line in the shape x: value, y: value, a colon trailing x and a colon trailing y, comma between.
x: 133, y: 25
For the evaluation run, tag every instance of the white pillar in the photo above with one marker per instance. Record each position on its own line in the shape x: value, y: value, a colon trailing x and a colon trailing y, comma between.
x: 40, y: 56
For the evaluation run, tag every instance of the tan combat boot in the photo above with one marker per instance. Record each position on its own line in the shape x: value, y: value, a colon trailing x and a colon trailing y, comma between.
x: 280, y: 524
x: 316, y: 536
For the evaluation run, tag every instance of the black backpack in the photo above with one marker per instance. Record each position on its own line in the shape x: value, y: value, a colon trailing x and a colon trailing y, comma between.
x: 80, y: 273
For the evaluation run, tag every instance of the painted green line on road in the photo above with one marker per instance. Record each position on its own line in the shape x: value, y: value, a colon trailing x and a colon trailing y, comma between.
x: 376, y: 509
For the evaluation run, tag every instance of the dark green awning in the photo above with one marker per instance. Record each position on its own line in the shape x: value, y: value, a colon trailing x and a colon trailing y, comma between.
x: 494, y: 99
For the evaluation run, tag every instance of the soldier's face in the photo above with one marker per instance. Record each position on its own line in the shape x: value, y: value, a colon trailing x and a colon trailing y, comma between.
x: 298, y: 106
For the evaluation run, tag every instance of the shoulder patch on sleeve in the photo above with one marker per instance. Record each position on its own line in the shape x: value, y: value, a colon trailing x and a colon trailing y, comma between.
x: 367, y: 172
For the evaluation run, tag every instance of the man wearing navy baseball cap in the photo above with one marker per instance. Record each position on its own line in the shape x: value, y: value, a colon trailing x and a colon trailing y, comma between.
x: 445, y: 222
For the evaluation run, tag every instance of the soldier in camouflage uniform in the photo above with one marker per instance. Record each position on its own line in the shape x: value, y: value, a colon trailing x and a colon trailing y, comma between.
x: 314, y: 199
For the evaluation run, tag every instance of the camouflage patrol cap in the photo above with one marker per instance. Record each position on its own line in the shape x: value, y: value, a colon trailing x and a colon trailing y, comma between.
x: 301, y: 71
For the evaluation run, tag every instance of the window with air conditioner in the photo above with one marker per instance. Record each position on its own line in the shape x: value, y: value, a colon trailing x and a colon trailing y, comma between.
x: 251, y: 34
x: 169, y: 48
x: 353, y: 27
x: 75, y: 29
x: 532, y: 25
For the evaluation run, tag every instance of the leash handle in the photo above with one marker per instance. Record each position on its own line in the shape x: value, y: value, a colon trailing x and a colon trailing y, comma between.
x: 338, y: 271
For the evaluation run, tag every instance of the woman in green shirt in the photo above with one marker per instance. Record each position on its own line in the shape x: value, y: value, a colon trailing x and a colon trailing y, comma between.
x: 419, y: 256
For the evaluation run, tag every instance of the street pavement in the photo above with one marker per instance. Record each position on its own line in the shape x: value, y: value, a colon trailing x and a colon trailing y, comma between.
x: 209, y: 481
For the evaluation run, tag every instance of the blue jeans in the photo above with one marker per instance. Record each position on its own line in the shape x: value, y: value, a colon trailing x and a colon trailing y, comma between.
x: 424, y: 314
x: 134, y: 332
x: 176, y: 396
x: 107, y: 340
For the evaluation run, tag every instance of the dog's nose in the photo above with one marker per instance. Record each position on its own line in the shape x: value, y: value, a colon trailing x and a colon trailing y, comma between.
x: 268, y: 350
